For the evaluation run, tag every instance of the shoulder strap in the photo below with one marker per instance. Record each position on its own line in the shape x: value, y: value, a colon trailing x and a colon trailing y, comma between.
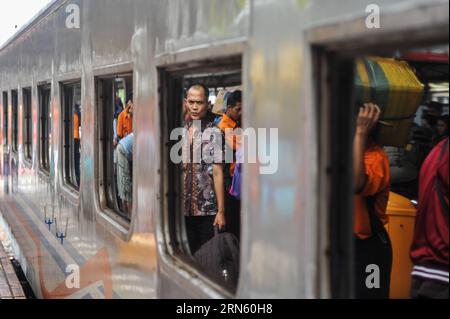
x: 440, y: 193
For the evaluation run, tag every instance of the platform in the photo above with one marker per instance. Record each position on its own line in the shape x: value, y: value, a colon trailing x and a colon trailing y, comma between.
x: 10, y: 287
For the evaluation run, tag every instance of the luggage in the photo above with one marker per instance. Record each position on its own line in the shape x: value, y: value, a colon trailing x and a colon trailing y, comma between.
x: 219, y: 258
x: 395, y: 88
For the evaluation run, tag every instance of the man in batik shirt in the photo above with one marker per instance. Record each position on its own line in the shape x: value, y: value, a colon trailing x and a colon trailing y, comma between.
x: 203, y: 180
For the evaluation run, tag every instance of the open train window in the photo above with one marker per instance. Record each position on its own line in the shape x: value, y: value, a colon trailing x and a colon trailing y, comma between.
x: 15, y: 120
x: 410, y: 87
x: 116, y: 141
x: 5, y: 118
x: 72, y: 133
x: 27, y: 124
x: 45, y: 127
x: 200, y: 92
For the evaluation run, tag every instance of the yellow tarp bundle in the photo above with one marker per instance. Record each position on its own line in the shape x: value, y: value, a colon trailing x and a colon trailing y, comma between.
x: 396, y: 89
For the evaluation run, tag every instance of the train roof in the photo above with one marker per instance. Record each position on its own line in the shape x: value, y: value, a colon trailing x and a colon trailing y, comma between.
x: 45, y: 11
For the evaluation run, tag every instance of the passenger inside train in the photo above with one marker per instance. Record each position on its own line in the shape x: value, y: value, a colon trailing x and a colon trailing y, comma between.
x: 45, y: 127
x: 72, y: 134
x: 124, y: 153
x: 116, y: 156
x: 401, y: 127
x: 210, y: 213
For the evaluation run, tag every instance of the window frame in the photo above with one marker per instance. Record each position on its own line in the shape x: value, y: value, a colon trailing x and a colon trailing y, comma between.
x: 27, y: 132
x: 5, y: 102
x: 173, y: 228
x: 68, y: 170
x: 14, y: 121
x: 44, y: 148
x: 105, y: 187
x: 332, y: 45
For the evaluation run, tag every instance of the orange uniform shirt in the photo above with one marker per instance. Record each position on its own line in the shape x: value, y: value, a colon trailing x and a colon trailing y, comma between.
x: 125, y: 124
x: 233, y: 141
x: 378, y: 185
x: 76, y: 126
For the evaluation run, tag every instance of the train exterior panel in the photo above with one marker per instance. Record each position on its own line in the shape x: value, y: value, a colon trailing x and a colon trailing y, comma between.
x: 285, y: 215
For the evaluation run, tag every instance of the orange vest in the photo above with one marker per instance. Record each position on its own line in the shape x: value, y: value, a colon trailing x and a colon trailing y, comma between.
x: 76, y: 126
x: 233, y: 141
x: 125, y: 124
x: 378, y: 186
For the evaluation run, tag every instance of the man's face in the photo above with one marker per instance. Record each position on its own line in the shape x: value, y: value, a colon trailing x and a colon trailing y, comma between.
x: 441, y: 127
x: 235, y: 112
x: 196, y: 104
x: 131, y: 107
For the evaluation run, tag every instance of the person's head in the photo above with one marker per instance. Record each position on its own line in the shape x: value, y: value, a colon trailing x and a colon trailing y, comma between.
x: 119, y: 102
x: 428, y: 121
x: 435, y: 108
x: 130, y: 104
x: 234, y: 106
x: 197, y: 97
x: 442, y: 125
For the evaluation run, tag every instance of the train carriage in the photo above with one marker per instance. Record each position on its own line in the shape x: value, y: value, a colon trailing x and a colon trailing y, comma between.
x: 292, y: 59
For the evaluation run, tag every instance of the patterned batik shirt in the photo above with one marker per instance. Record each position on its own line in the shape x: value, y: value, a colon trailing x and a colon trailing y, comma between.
x: 199, y: 196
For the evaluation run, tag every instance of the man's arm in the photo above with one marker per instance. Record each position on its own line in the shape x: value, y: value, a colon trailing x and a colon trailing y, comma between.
x: 367, y: 119
x: 220, y: 195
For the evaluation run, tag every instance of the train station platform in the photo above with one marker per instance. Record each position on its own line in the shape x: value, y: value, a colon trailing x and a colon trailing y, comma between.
x: 10, y: 286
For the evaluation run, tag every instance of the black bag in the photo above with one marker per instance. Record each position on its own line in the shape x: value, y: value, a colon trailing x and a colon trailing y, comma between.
x: 219, y: 258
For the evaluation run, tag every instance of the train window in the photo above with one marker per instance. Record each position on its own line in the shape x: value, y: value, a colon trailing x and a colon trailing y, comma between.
x: 27, y: 124
x: 15, y: 119
x: 5, y: 118
x: 198, y: 192
x: 44, y: 127
x: 389, y: 110
x: 72, y: 133
x: 116, y: 141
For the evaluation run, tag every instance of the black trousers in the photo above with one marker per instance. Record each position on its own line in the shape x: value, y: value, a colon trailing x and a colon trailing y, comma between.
x: 199, y: 231
x: 233, y: 215
x: 422, y: 288
x: 232, y: 211
x: 376, y: 251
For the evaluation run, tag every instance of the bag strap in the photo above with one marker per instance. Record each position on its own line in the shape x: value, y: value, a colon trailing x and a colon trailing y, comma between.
x: 439, y: 188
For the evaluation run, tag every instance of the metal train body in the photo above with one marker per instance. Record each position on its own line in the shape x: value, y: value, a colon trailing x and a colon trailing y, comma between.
x: 286, y: 216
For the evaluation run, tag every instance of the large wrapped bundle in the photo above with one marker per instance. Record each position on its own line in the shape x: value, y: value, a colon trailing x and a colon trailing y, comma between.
x: 398, y: 92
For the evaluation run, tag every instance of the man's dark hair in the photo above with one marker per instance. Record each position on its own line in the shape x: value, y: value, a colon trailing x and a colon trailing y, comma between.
x: 435, y: 105
x: 130, y: 98
x: 444, y: 118
x: 234, y: 98
x: 431, y: 119
x: 199, y: 86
